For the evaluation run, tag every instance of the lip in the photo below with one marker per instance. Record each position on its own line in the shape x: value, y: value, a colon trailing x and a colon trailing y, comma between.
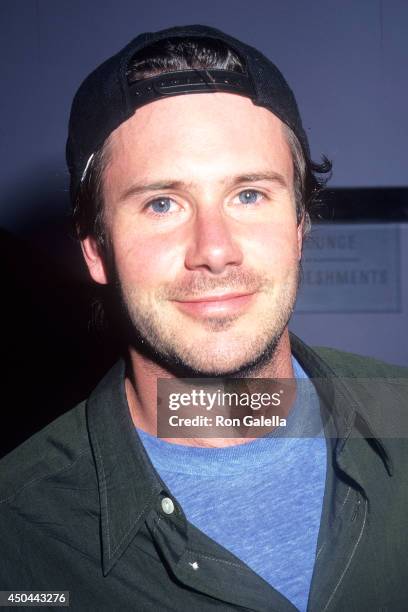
x: 217, y: 305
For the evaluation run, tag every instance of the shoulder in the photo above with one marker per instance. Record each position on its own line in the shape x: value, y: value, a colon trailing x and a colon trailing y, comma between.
x: 359, y: 366
x: 379, y: 391
x: 48, y: 500
x: 54, y: 449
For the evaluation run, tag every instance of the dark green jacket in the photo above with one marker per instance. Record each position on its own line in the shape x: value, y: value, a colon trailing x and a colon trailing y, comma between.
x: 80, y: 507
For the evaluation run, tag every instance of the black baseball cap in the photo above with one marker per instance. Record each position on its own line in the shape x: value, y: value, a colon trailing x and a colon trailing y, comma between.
x: 106, y: 98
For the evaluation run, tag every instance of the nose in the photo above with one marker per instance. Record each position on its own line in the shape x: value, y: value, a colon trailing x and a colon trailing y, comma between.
x: 212, y: 246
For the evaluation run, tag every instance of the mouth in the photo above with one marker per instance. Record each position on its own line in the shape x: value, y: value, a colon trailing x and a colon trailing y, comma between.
x: 226, y: 304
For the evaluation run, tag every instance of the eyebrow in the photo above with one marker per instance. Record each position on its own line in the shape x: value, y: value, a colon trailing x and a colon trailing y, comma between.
x: 165, y: 185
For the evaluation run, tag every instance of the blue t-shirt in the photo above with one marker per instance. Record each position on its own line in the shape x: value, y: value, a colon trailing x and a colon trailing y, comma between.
x: 261, y: 500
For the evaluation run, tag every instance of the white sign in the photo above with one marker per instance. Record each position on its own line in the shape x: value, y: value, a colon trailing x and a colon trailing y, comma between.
x: 351, y: 268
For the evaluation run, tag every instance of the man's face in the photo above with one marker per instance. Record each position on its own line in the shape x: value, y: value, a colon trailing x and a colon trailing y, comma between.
x: 200, y: 212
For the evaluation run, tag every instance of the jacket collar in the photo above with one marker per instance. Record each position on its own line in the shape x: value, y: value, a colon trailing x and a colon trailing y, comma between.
x: 128, y: 483
x: 342, y: 401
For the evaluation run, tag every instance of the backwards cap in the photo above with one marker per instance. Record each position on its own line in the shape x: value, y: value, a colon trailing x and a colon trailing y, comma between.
x: 106, y: 99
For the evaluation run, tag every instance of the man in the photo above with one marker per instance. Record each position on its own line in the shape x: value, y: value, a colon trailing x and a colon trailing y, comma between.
x: 192, y: 182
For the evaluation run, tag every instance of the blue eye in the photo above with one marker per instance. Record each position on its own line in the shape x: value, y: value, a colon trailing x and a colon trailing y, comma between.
x: 161, y: 205
x: 249, y: 196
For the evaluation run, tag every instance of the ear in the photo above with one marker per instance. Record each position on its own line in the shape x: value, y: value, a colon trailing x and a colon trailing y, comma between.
x: 300, y: 230
x: 92, y: 254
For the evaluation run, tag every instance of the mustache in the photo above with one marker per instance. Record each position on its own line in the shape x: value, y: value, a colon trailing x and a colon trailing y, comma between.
x: 243, y: 281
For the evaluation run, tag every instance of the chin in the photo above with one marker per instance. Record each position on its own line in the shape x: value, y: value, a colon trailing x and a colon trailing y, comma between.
x: 246, y: 367
x: 210, y: 364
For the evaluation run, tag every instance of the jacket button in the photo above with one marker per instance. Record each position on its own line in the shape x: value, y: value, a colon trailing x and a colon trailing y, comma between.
x: 167, y: 505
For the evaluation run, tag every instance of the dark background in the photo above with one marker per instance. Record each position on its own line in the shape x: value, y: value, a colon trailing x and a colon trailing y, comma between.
x: 346, y: 62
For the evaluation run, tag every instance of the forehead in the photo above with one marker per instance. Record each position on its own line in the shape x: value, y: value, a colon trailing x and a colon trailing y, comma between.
x: 202, y: 136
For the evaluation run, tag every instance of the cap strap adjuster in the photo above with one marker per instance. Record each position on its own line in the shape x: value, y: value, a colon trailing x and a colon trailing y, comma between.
x: 188, y: 82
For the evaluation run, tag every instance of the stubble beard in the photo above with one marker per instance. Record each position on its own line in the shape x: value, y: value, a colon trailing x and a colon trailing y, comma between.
x: 151, y: 334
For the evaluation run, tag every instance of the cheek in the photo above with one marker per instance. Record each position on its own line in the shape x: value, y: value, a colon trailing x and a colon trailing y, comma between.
x: 147, y: 263
x: 273, y: 246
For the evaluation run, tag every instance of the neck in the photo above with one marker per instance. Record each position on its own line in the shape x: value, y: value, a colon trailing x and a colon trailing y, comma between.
x: 141, y: 390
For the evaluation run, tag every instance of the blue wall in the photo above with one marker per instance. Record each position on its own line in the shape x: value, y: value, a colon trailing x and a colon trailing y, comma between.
x: 345, y: 59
